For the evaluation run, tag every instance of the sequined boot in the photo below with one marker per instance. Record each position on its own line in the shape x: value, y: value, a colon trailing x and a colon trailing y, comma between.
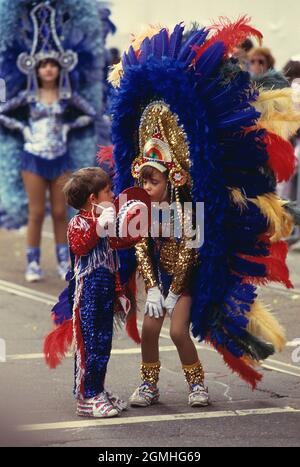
x: 147, y: 393
x: 198, y: 393
x: 62, y: 255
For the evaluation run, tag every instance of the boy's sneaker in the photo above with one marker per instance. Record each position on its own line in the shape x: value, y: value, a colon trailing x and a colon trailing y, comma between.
x: 98, y: 407
x: 118, y: 403
x: 198, y: 396
x: 62, y: 268
x: 34, y: 272
x: 144, y: 395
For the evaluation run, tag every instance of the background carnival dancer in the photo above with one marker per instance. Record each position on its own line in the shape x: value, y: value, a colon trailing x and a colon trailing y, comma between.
x: 236, y: 149
x: 47, y: 128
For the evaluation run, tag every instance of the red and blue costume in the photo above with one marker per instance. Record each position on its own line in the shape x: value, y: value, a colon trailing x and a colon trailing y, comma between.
x: 86, y: 309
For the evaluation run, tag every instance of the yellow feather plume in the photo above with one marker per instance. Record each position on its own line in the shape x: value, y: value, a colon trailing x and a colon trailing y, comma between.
x: 284, y: 125
x: 279, y: 100
x: 281, y: 223
x: 263, y: 324
x: 278, y: 112
x: 237, y: 197
x: 249, y: 361
x: 116, y: 72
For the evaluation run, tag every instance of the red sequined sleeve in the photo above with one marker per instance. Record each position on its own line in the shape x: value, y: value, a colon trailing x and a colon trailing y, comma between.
x: 82, y: 235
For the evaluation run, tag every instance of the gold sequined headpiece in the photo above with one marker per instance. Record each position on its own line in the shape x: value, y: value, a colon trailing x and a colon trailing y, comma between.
x: 163, y: 144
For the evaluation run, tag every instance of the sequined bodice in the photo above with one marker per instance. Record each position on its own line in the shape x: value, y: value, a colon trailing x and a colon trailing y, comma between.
x: 46, y: 125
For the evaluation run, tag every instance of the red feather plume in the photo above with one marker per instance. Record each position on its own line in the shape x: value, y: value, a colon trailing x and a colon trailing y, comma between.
x: 282, y: 159
x: 57, y: 343
x: 105, y: 155
x: 131, y: 320
x: 131, y: 328
x: 230, y: 33
x: 277, y: 270
x: 237, y: 365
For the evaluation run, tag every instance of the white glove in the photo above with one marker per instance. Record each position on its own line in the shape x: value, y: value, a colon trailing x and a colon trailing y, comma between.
x: 170, y: 302
x: 107, y: 217
x: 154, y: 303
x: 65, y: 131
x: 27, y: 134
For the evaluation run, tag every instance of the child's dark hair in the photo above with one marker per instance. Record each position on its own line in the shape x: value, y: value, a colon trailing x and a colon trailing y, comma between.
x: 148, y: 171
x: 84, y: 183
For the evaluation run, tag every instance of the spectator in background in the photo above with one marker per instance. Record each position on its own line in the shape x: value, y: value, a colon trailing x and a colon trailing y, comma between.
x: 262, y: 69
x: 241, y: 53
x: 261, y: 61
x: 115, y: 56
x: 289, y: 190
x: 292, y: 70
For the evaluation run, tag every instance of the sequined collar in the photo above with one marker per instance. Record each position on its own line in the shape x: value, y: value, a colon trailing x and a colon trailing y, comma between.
x: 86, y: 214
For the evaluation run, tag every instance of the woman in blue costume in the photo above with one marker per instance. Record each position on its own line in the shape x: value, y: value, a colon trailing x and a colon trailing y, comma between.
x: 47, y: 120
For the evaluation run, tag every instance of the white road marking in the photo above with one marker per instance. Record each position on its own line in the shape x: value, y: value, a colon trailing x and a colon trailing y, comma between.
x: 289, y: 365
x: 155, y: 418
x: 27, y: 292
x: 26, y: 289
x: 227, y: 390
x: 280, y: 370
x: 50, y: 300
x: 165, y: 348
x: 294, y: 343
x: 130, y: 351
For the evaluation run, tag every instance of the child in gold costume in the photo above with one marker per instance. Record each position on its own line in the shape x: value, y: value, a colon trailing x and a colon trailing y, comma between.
x: 188, y: 125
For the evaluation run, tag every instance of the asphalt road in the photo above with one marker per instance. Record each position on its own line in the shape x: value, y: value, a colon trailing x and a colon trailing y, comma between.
x: 37, y: 407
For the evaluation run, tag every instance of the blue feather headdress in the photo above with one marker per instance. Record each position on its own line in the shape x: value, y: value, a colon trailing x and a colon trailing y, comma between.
x: 232, y: 173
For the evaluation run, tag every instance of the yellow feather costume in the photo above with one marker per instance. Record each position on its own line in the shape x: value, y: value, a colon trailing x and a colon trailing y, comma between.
x: 281, y: 223
x: 278, y: 112
x: 263, y: 324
